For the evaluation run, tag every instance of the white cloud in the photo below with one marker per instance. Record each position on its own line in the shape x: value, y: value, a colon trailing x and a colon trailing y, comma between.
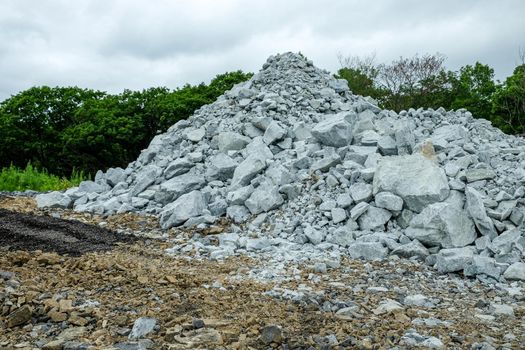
x: 112, y: 45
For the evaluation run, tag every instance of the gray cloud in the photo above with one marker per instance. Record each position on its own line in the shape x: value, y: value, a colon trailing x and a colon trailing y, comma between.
x: 138, y: 44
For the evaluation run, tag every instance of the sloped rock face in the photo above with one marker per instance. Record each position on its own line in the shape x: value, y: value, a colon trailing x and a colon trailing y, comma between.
x: 293, y: 156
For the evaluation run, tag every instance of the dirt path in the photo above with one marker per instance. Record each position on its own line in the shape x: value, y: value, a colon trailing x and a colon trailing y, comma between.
x: 91, y: 301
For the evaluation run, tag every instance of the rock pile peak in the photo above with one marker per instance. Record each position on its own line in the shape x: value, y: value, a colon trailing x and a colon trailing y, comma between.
x: 294, y: 158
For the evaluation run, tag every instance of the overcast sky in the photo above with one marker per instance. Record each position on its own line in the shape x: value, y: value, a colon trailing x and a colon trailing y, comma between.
x: 112, y: 45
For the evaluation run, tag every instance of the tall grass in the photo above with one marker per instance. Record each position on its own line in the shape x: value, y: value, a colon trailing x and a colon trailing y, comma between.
x: 16, y: 179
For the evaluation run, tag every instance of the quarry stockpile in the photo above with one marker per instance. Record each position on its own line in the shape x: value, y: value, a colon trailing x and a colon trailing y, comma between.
x: 294, y: 158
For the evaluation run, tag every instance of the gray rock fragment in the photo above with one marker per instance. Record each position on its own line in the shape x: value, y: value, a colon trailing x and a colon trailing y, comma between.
x: 335, y: 130
x: 416, y: 179
x: 367, y: 250
x: 476, y: 209
x: 142, y: 327
x: 231, y: 141
x: 442, y: 224
x: 454, y: 259
x: 388, y: 201
x: 186, y: 206
x: 374, y: 219
x: 53, y: 199
x: 515, y: 271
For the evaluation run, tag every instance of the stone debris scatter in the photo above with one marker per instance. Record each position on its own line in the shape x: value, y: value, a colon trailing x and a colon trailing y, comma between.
x: 300, y: 165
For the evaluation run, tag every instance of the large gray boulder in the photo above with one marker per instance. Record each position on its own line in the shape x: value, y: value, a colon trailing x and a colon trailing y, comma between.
x: 374, y: 219
x: 389, y: 201
x: 476, y: 209
x: 454, y: 259
x: 442, y: 224
x: 231, y: 141
x: 221, y: 167
x: 182, y: 184
x: 335, y: 130
x: 367, y: 250
x: 361, y: 192
x: 254, y: 163
x: 515, y: 271
x: 416, y: 179
x: 115, y: 175
x: 274, y: 132
x: 263, y: 199
x: 53, y: 199
x: 91, y: 187
x: 186, y: 206
x: 144, y: 179
x: 177, y: 167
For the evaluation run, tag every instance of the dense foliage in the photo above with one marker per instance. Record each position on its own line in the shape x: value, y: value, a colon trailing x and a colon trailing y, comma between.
x: 423, y: 81
x: 61, y: 129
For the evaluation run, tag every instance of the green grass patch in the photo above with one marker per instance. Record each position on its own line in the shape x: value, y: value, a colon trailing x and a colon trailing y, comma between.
x: 16, y: 179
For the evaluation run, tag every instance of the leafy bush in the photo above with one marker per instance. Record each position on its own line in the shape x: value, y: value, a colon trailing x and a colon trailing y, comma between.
x: 13, y: 178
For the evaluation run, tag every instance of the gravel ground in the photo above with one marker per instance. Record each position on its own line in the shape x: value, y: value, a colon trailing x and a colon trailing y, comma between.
x: 54, y: 301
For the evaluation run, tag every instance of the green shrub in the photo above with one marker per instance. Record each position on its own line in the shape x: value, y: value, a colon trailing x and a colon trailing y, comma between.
x: 13, y: 178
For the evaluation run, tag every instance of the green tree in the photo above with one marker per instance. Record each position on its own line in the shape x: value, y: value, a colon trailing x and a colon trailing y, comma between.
x: 31, y: 123
x: 508, y: 104
x: 473, y: 89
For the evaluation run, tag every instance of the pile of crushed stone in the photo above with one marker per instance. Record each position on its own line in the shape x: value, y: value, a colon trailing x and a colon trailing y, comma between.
x: 307, y: 170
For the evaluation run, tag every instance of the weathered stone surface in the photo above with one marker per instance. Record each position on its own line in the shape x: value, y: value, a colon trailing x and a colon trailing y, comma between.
x: 19, y: 317
x: 177, y: 167
x: 196, y: 135
x: 416, y: 179
x: 263, y: 199
x: 338, y: 215
x: 387, y: 145
x: 274, y: 132
x: 221, y: 167
x: 358, y: 210
x: 115, y: 176
x: 91, y: 187
x: 231, y: 141
x: 476, y: 209
x: 326, y: 163
x: 374, y: 219
x: 334, y: 130
x: 479, y: 174
x: 482, y: 265
x: 361, y: 192
x: 186, y: 206
x: 238, y: 213
x: 314, y: 235
x: 515, y: 271
x: 442, y: 224
x: 252, y: 165
x: 142, y: 327
x: 271, y: 334
x: 182, y: 184
x: 389, y: 201
x: 144, y: 179
x: 367, y: 250
x: 240, y: 195
x: 409, y: 250
x: 505, y: 242
x: 454, y: 259
x: 53, y: 199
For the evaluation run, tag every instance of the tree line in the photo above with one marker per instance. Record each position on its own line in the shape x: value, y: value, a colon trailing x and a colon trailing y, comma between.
x: 66, y: 129
x: 423, y: 81
x: 63, y: 129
